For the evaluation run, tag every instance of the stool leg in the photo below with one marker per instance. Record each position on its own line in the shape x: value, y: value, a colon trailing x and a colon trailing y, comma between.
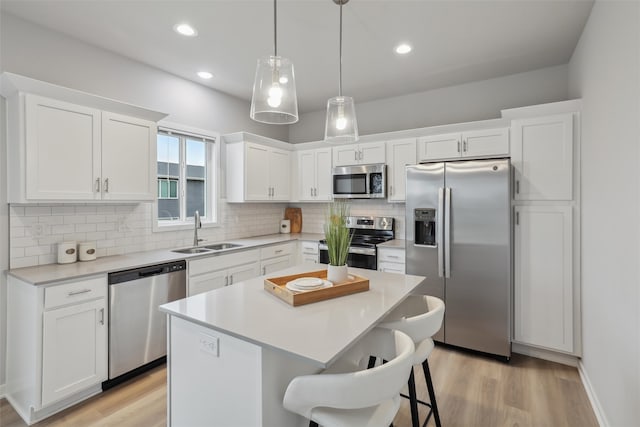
x: 432, y: 394
x: 372, y: 362
x: 413, y: 400
x: 313, y: 424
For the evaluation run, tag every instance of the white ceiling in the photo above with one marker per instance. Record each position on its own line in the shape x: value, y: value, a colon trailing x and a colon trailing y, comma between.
x: 454, y: 41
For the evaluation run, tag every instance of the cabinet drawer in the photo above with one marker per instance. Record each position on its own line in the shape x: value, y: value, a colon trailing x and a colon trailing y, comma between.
x: 74, y: 292
x: 310, y: 258
x: 309, y: 247
x: 391, y: 255
x: 391, y: 267
x: 276, y: 250
x: 214, y: 263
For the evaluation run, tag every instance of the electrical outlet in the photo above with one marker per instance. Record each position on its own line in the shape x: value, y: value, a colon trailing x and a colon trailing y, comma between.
x: 210, y: 344
x: 37, y: 230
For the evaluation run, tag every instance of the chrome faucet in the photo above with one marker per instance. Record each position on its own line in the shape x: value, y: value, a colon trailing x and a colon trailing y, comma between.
x: 197, y: 224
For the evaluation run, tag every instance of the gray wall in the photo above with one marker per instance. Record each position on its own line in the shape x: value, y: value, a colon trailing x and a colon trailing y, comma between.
x: 605, y: 72
x: 36, y: 52
x: 456, y: 104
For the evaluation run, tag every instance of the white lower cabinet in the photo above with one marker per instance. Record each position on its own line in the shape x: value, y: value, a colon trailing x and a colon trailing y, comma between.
x: 309, y: 251
x: 74, y: 350
x: 56, y: 344
x: 213, y: 272
x: 391, y: 260
x: 277, y: 257
x: 543, y: 280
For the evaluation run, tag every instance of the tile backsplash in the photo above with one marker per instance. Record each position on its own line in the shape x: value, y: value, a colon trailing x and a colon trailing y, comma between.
x: 313, y: 214
x: 35, y: 230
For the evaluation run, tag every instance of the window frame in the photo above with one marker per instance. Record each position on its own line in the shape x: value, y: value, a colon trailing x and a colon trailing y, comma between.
x: 212, y: 178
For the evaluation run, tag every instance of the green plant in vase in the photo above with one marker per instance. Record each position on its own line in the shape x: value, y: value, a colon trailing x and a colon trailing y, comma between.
x: 338, y: 240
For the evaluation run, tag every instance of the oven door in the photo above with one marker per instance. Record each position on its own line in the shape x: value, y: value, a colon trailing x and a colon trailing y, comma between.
x: 358, y: 257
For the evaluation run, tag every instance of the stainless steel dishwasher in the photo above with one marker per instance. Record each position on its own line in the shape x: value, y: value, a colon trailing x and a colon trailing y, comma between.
x: 137, y: 329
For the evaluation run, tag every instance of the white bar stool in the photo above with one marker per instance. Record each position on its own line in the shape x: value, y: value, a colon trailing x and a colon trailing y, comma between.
x: 348, y: 394
x: 420, y: 317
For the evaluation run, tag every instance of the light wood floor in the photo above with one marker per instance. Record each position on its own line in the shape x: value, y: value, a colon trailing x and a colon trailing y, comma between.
x: 471, y: 391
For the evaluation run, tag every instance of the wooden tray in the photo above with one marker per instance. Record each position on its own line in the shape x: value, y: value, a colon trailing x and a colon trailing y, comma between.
x: 277, y: 287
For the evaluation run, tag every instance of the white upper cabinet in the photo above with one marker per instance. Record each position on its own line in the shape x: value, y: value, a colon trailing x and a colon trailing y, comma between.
x: 470, y: 144
x: 127, y: 143
x: 400, y: 153
x: 257, y: 172
x: 59, y: 151
x: 359, y: 154
x: 314, y: 175
x: 542, y: 157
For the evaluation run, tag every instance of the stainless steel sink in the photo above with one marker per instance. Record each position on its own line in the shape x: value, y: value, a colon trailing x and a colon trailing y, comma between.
x: 221, y: 246
x: 191, y: 250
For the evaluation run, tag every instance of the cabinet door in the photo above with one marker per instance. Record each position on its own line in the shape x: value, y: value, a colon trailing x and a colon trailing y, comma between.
x: 542, y: 157
x: 243, y: 272
x: 491, y: 142
x: 74, y: 353
x: 275, y: 264
x: 306, y: 174
x: 128, y: 158
x: 207, y: 282
x: 279, y: 174
x: 324, y: 186
x: 256, y: 169
x: 543, y: 285
x: 62, y: 150
x: 400, y: 153
x: 372, y: 153
x: 438, y: 147
x: 345, y: 155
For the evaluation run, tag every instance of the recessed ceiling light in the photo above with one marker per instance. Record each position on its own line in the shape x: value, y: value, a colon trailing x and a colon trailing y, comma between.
x: 403, y: 48
x: 185, y: 30
x: 204, y: 74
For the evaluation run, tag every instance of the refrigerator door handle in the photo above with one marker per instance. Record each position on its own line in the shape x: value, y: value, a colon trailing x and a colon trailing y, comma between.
x: 447, y: 233
x: 439, y: 232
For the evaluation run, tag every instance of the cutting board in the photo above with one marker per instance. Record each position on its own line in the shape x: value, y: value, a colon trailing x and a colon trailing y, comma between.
x: 295, y: 216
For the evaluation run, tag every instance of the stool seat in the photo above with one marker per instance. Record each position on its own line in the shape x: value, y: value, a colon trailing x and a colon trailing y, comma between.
x: 349, y: 394
x: 420, y: 317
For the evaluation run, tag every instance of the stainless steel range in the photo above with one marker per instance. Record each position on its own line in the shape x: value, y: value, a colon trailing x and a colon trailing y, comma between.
x: 367, y: 232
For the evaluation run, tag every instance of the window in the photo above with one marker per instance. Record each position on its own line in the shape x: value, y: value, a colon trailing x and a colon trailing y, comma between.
x: 186, y: 163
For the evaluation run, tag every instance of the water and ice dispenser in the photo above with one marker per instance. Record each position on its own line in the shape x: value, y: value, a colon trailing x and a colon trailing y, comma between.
x: 425, y: 226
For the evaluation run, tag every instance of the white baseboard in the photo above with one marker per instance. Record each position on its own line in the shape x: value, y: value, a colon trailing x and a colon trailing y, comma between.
x: 552, y: 356
x: 593, y: 398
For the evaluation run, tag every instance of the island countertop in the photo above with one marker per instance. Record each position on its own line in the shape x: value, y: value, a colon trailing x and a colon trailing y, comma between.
x: 318, y: 333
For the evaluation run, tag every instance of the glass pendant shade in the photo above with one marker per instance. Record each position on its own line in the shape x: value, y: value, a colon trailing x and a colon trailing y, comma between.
x: 341, y: 125
x: 274, y: 98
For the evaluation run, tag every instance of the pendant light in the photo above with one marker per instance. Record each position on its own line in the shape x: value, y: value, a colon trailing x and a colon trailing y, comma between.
x: 341, y: 125
x: 274, y: 89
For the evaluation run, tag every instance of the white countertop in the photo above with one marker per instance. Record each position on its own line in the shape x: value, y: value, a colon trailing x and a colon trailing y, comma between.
x: 394, y: 244
x: 44, y: 274
x: 318, y: 332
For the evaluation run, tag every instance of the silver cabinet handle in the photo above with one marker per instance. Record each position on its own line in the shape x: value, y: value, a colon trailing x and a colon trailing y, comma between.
x: 458, y: 146
x: 231, y: 279
x: 361, y: 155
x: 97, y: 185
x: 106, y: 185
x: 264, y: 270
x: 102, y: 316
x: 315, y: 192
x: 465, y: 146
x: 517, y: 218
x: 391, y: 190
x: 279, y: 250
x: 355, y: 155
x: 311, y: 191
x: 226, y: 280
x: 393, y: 256
x: 517, y: 186
x: 84, y: 291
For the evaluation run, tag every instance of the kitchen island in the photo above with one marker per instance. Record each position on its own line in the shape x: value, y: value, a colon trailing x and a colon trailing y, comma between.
x: 233, y: 351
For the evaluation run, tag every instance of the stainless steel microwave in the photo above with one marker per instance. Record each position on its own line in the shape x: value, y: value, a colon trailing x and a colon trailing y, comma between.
x: 360, y: 182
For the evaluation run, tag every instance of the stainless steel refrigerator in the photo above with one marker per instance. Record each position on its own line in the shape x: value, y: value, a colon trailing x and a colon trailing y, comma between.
x: 458, y: 235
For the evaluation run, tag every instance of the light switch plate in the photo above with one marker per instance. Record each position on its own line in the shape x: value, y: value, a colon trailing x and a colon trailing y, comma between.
x: 209, y: 344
